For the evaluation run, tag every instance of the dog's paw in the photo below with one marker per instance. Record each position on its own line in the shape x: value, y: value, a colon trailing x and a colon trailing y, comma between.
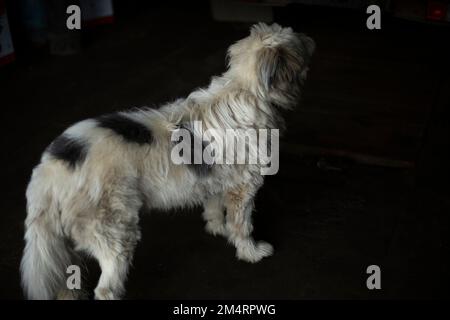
x: 67, y: 294
x: 215, y: 227
x: 253, y: 253
x: 104, y: 294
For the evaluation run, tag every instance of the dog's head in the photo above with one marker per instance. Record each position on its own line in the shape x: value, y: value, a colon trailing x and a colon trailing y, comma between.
x: 273, y: 61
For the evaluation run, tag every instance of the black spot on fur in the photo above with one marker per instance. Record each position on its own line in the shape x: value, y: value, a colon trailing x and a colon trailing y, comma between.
x: 70, y: 150
x: 130, y: 130
x: 201, y: 169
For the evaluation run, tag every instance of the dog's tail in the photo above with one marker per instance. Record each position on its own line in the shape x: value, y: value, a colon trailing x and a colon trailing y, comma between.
x: 46, y: 256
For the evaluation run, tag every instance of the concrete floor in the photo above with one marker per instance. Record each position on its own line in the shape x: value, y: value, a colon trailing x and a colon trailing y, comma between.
x: 327, y: 226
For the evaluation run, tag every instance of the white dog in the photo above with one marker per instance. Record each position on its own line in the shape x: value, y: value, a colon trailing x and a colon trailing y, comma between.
x: 86, y: 193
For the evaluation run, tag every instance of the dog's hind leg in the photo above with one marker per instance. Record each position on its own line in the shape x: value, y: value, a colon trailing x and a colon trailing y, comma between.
x: 110, y: 235
x: 239, y: 206
x: 214, y: 216
x: 114, y: 266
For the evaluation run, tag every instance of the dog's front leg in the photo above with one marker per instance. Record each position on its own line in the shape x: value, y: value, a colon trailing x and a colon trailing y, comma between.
x: 214, y: 215
x: 239, y: 207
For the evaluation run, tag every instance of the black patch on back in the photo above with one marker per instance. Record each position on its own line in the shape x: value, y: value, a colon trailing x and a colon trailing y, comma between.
x: 130, y: 130
x: 70, y: 150
x: 201, y: 169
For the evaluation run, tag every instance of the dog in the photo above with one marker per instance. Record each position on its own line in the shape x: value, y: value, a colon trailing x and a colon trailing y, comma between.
x: 86, y: 193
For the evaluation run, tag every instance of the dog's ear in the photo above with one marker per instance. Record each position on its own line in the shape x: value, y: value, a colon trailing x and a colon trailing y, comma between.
x: 278, y: 67
x: 308, y: 44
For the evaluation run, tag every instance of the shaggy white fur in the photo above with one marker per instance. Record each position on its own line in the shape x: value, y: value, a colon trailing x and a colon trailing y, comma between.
x: 94, y: 178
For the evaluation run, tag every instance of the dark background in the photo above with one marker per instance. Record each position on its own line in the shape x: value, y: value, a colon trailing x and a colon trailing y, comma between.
x: 364, y: 163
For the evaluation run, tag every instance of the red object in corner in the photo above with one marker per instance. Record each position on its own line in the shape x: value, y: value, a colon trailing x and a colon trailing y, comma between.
x: 437, y: 10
